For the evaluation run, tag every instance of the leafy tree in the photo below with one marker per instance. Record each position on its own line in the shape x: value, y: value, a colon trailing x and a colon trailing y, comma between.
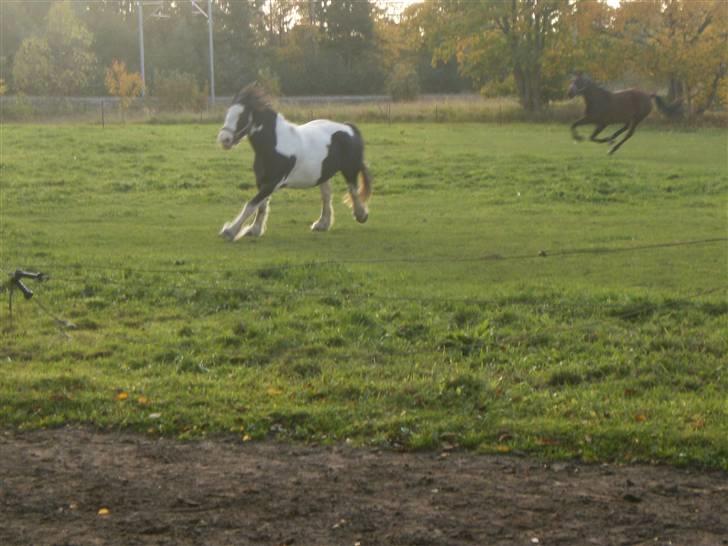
x: 331, y: 50
x: 278, y: 19
x: 587, y: 44
x: 406, y: 42
x: 18, y: 21
x: 126, y: 86
x: 178, y: 91
x: 60, y: 61
x: 116, y: 36
x: 403, y: 83
x: 349, y: 27
x: 493, y: 39
x: 682, y: 43
x: 238, y: 37
x: 32, y: 72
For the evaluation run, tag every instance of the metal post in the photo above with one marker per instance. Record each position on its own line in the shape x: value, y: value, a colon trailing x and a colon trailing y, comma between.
x: 140, y: 16
x: 212, y: 57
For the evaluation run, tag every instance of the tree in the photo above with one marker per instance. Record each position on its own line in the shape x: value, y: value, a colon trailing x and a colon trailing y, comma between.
x: 587, y: 43
x: 116, y: 36
x: 682, y: 43
x: 405, y: 42
x: 332, y: 49
x: 349, y: 27
x: 59, y: 62
x: 403, y: 83
x: 18, y: 21
x: 496, y: 39
x: 32, y: 67
x: 239, y: 38
x: 278, y: 20
x: 119, y: 83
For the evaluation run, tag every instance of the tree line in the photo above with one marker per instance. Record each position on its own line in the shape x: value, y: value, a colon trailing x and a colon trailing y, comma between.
x: 523, y: 48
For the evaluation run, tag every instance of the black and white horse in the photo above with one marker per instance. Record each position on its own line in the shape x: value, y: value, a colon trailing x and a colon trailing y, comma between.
x: 292, y: 156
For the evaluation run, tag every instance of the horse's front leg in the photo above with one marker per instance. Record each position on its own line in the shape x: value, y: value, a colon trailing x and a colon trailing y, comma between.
x: 327, y: 210
x: 257, y: 228
x: 599, y: 128
x: 232, y: 230
x: 576, y: 136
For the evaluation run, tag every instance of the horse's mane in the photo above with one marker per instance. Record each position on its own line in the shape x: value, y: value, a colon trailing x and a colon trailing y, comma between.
x: 254, y: 97
x: 588, y: 82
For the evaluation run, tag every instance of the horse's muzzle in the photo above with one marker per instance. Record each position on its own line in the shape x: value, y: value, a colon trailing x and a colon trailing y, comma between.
x: 225, y: 139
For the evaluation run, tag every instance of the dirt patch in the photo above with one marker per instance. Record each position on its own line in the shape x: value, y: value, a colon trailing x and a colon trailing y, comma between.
x: 53, y: 484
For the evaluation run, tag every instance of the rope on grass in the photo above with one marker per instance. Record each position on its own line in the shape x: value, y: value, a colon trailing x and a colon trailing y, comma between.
x: 404, y: 259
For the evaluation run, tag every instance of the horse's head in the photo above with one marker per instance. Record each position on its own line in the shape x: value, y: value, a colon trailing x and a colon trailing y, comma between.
x: 240, y: 116
x: 578, y: 85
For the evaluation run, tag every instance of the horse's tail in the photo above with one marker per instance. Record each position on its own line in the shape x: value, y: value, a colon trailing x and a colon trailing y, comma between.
x: 670, y: 110
x: 365, y: 177
x: 364, y: 189
x: 365, y: 183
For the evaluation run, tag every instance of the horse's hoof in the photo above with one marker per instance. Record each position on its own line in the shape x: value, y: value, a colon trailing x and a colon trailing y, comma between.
x: 248, y: 232
x: 225, y: 233
x: 317, y: 226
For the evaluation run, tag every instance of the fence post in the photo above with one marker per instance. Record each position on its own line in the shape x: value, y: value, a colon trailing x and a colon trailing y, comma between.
x: 103, y: 122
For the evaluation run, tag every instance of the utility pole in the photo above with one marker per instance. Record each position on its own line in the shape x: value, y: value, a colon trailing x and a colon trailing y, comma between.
x: 140, y: 18
x: 208, y: 15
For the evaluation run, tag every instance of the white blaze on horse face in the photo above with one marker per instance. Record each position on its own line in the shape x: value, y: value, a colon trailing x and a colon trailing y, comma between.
x: 226, y: 136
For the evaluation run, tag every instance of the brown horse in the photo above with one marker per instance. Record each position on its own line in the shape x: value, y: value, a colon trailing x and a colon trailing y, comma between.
x: 604, y: 108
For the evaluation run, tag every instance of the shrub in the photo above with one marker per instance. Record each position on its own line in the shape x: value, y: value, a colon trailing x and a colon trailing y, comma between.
x: 178, y: 91
x: 403, y: 83
x: 269, y: 81
x: 120, y: 83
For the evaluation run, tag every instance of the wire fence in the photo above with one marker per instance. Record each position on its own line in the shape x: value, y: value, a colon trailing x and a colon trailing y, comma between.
x: 436, y: 108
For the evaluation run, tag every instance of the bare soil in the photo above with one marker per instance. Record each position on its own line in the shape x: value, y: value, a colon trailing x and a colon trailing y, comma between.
x: 56, y: 485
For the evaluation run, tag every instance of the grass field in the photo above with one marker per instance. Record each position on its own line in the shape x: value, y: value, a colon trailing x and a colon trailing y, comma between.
x: 511, y: 292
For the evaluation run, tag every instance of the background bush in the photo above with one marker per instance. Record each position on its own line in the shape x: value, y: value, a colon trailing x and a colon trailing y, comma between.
x: 178, y: 91
x: 403, y: 84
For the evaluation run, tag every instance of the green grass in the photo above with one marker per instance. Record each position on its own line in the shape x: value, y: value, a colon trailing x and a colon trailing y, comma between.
x: 511, y: 292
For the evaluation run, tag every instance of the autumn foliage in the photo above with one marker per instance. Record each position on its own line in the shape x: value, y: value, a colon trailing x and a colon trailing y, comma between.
x: 530, y: 48
x: 122, y: 84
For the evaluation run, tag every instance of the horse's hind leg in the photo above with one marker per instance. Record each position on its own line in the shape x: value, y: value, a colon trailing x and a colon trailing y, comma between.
x: 599, y: 128
x: 632, y: 127
x: 577, y: 123
x: 327, y: 211
x: 360, y: 209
